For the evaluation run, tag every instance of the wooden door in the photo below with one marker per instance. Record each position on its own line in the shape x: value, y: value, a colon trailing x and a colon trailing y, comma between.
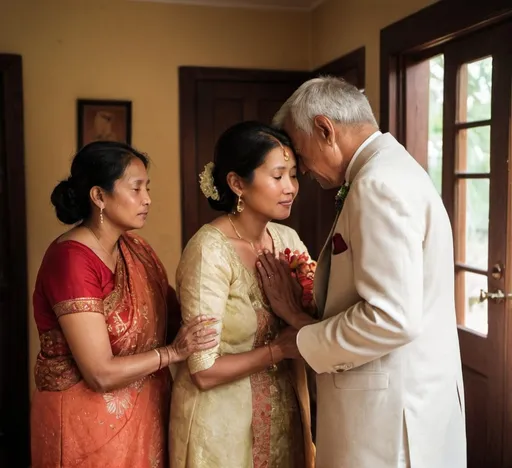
x: 475, y: 188
x: 211, y: 101
x: 14, y: 372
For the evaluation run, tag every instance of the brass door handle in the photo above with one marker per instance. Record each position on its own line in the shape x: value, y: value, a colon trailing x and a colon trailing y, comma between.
x: 496, y: 296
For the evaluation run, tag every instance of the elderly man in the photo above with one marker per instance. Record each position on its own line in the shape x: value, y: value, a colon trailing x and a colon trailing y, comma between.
x: 385, y: 350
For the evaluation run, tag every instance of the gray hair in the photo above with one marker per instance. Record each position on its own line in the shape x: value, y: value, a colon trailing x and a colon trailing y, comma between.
x: 331, y: 97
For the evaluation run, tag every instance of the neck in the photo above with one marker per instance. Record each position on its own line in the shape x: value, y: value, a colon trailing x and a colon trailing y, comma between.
x: 106, y: 234
x: 349, y: 139
x: 251, y: 226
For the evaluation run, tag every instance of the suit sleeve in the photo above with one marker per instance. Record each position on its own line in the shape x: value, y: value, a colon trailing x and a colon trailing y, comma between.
x: 387, y: 248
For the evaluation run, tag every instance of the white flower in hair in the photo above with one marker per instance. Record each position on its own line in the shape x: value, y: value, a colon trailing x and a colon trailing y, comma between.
x: 207, y: 184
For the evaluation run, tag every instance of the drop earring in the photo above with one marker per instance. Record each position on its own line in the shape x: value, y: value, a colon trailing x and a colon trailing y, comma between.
x: 101, y: 216
x: 240, y: 204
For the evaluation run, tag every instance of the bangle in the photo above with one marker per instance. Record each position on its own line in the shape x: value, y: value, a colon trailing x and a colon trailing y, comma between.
x: 273, y: 366
x: 159, y: 357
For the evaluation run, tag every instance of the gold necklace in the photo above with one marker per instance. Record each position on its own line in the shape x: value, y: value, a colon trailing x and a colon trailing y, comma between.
x: 111, y: 255
x: 238, y: 234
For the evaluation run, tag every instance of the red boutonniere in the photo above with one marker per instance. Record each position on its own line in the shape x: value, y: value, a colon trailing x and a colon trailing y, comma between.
x: 303, y: 270
x: 338, y: 244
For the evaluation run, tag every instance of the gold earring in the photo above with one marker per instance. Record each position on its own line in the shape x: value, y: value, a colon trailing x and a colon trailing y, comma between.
x: 240, y: 204
x: 101, y: 216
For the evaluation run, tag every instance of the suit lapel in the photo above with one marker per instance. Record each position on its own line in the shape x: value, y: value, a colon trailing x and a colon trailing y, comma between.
x: 323, y: 269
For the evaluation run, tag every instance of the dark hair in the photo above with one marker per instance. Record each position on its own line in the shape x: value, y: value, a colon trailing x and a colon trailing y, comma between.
x: 242, y: 148
x: 100, y: 164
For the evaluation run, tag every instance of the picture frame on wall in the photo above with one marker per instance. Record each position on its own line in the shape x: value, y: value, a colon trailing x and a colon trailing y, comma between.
x: 103, y: 120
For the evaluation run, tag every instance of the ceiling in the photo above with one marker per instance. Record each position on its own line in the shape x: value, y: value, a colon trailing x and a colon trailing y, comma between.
x: 298, y: 5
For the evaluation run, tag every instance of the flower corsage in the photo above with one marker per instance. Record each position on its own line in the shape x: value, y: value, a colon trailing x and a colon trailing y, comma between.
x: 303, y: 270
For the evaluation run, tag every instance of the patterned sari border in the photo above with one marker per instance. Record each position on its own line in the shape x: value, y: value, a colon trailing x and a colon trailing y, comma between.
x: 78, y: 305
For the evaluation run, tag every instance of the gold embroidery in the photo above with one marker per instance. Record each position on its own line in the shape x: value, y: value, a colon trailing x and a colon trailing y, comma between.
x: 81, y: 304
x: 55, y: 368
x: 118, y: 402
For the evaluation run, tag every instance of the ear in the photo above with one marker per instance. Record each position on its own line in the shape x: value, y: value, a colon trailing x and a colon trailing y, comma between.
x: 235, y: 182
x: 97, y: 197
x: 325, y: 128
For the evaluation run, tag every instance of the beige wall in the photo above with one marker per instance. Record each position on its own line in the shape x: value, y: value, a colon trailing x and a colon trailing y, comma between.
x: 117, y: 49
x: 341, y: 26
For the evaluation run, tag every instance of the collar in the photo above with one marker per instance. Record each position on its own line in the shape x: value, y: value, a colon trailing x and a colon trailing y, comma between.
x: 358, y: 152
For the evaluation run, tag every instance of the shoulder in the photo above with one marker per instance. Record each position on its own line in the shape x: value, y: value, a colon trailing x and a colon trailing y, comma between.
x: 207, y: 238
x: 69, y: 262
x: 206, y: 251
x: 70, y: 253
x: 282, y: 230
x: 287, y: 235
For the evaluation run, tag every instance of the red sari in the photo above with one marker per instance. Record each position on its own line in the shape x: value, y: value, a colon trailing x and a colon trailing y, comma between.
x: 71, y: 425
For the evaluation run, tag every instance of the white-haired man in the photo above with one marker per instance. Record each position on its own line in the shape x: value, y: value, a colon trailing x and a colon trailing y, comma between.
x: 385, y: 350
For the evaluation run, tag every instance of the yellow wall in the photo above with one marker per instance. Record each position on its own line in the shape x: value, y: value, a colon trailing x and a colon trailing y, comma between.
x: 117, y: 49
x: 341, y: 26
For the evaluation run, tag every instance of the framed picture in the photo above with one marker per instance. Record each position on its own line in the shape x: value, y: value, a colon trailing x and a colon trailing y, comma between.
x: 104, y: 120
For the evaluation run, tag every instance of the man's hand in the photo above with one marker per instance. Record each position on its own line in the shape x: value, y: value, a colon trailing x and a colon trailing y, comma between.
x: 282, y: 290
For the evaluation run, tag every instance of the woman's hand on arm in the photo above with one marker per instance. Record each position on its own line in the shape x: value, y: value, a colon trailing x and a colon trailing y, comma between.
x: 87, y: 337
x: 232, y: 367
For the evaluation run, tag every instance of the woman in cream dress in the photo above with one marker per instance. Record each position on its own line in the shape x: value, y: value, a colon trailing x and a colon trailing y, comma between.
x: 244, y: 403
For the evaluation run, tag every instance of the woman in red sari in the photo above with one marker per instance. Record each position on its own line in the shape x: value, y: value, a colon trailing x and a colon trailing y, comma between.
x: 101, y: 305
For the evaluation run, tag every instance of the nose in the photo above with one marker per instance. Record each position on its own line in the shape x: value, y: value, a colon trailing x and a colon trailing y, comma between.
x: 147, y: 199
x: 291, y: 186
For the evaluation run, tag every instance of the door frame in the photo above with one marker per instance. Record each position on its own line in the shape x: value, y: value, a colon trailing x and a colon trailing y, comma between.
x: 17, y: 366
x: 403, y: 47
x: 415, y: 34
x: 190, y: 76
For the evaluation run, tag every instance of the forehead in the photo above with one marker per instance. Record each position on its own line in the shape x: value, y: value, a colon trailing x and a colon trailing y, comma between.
x: 276, y: 158
x: 295, y: 135
x: 135, y: 171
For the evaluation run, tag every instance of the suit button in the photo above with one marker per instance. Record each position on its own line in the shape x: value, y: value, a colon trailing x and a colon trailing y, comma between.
x: 344, y: 367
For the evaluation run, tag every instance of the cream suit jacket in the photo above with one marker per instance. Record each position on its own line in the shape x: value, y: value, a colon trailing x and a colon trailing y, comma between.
x: 386, y: 351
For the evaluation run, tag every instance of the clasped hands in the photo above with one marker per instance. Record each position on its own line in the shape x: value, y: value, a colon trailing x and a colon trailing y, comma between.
x: 283, y: 292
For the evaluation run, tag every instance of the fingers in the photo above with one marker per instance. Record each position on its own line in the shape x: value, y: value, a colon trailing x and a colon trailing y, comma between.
x: 200, y: 319
x: 208, y: 345
x: 264, y: 276
x: 203, y: 328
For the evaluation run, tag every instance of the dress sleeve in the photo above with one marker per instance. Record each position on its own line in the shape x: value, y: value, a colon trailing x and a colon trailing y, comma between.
x: 203, y: 283
x: 73, y: 284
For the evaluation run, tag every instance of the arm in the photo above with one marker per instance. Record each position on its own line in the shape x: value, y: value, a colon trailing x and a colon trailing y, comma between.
x: 204, y: 281
x: 74, y: 291
x: 103, y: 371
x: 387, y: 249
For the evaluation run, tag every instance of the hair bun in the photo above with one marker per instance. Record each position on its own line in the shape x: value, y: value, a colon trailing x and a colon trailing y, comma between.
x: 65, y: 202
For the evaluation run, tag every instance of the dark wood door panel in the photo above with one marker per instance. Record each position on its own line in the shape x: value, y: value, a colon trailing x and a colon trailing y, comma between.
x: 14, y: 393
x: 476, y: 391
x: 220, y: 103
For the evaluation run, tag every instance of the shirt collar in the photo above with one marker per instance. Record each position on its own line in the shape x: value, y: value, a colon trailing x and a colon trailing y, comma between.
x: 358, y: 152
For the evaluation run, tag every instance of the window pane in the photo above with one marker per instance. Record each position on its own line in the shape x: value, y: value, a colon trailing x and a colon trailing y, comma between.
x: 475, y: 312
x: 474, y: 150
x: 476, y: 79
x: 473, y: 222
x: 435, y: 120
